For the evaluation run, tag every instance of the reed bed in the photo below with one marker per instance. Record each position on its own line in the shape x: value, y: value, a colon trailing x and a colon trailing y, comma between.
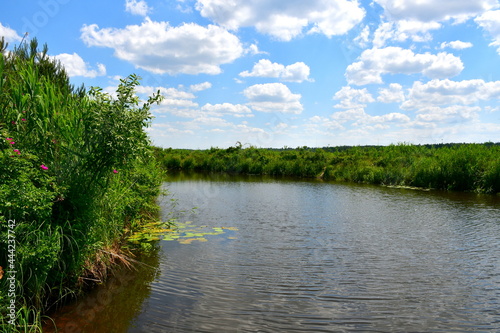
x: 454, y: 167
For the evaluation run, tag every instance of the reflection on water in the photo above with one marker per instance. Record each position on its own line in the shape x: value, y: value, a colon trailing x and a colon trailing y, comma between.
x: 310, y: 256
x: 110, y: 307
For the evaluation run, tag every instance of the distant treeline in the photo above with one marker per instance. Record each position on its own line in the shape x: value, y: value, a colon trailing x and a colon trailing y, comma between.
x: 457, y: 167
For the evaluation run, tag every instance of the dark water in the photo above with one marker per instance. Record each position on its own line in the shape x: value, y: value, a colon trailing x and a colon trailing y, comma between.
x: 310, y: 256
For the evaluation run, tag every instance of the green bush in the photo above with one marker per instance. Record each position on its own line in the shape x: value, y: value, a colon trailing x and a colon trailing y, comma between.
x: 76, y: 171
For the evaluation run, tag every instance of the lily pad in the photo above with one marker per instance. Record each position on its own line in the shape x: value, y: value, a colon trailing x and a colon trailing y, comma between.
x: 230, y: 228
x: 190, y: 240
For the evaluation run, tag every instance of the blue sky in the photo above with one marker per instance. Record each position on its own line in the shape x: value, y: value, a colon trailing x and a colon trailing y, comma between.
x: 278, y: 73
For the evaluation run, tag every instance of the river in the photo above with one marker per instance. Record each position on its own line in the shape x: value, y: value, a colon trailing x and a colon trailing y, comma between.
x: 307, y: 256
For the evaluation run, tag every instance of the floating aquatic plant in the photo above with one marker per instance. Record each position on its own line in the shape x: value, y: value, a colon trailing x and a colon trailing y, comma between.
x: 182, y: 232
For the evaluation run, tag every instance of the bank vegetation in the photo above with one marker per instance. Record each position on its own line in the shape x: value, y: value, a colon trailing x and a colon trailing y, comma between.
x: 76, y: 174
x: 454, y: 167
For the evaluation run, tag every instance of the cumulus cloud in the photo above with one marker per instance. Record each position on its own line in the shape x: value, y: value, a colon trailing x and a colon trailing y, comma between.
x: 136, y: 7
x: 175, y: 101
x: 373, y: 63
x: 352, y: 98
x: 429, y: 10
x: 9, y: 34
x: 414, y: 20
x: 285, y: 20
x: 172, y: 93
x: 160, y: 48
x: 75, y: 66
x: 273, y: 97
x: 200, y: 86
x: 253, y: 49
x: 447, y: 92
x: 457, y: 45
x: 490, y: 21
x: 349, y: 115
x: 363, y: 38
x: 393, y: 94
x: 385, y: 119
x: 450, y: 114
x: 237, y: 110
x: 296, y: 72
x: 404, y: 30
x: 359, y: 117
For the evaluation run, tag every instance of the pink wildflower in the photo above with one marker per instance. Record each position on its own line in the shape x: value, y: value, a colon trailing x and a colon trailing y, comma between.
x: 23, y: 119
x: 43, y: 167
x: 17, y: 151
x: 12, y: 142
x: 9, y: 139
x: 115, y: 171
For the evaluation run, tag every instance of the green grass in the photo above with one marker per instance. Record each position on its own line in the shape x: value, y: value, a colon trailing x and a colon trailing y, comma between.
x: 456, y: 167
x: 76, y: 173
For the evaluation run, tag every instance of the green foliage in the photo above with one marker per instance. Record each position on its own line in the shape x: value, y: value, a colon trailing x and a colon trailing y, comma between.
x: 457, y: 167
x: 76, y: 172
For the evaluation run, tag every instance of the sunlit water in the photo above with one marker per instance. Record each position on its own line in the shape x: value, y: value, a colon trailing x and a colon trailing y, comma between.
x: 310, y: 256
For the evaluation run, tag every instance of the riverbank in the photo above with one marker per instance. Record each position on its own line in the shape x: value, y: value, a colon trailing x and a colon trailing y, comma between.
x: 77, y: 175
x: 454, y: 167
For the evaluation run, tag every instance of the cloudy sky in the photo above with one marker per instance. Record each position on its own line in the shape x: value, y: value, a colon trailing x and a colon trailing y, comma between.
x: 274, y: 73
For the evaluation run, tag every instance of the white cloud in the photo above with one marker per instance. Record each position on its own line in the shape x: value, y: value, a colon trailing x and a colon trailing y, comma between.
x: 352, y: 98
x: 285, y: 20
x: 430, y: 10
x: 160, y: 48
x: 363, y: 37
x: 414, y: 20
x: 296, y: 72
x: 393, y: 94
x: 386, y: 119
x: 349, y: 115
x: 9, y: 34
x: 75, y: 66
x: 451, y: 114
x: 200, y: 86
x: 395, y: 60
x: 490, y: 21
x: 165, y: 92
x: 253, y: 49
x: 360, y: 118
x: 404, y: 30
x: 322, y: 126
x: 273, y: 97
x: 136, y: 7
x: 236, y: 110
x: 207, y: 121
x: 447, y: 92
x: 457, y: 45
x: 176, y: 102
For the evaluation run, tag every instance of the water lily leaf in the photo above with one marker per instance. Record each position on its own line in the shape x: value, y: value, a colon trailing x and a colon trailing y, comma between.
x: 230, y: 228
x: 190, y: 240
x: 232, y: 238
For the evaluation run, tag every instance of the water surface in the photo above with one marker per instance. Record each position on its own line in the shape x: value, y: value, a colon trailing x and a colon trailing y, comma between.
x: 311, y: 256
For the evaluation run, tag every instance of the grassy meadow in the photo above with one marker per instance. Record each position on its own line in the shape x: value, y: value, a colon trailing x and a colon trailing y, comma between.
x: 76, y: 173
x: 455, y: 167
